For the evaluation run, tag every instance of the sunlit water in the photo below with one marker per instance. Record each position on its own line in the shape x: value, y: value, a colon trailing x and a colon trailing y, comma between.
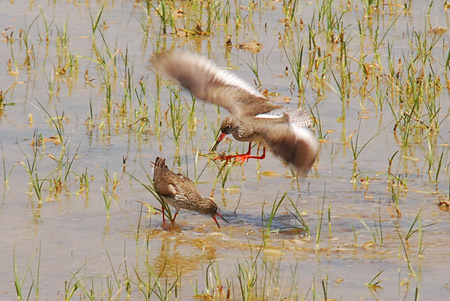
x: 68, y: 236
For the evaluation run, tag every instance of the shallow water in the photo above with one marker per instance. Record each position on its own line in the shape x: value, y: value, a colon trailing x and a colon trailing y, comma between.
x: 70, y: 237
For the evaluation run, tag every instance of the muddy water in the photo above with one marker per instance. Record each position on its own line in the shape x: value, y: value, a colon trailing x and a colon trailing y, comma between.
x: 70, y: 236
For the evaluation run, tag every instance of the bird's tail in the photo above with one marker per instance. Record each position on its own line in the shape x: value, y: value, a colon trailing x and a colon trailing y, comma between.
x: 160, y: 163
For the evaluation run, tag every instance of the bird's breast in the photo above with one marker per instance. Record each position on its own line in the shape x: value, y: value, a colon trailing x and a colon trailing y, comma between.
x: 246, y: 133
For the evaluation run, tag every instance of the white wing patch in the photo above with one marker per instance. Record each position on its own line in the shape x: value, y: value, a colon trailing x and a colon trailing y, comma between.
x: 302, y: 133
x: 223, y: 76
x: 279, y: 113
x: 268, y: 116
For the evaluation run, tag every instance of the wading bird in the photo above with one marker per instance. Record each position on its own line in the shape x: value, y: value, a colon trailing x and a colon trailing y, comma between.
x: 180, y: 192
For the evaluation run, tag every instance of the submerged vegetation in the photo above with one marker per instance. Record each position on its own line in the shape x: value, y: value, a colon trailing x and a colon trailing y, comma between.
x: 82, y: 115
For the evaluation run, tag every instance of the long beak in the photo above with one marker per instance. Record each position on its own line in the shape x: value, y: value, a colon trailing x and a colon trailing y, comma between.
x: 219, y: 215
x: 220, y: 138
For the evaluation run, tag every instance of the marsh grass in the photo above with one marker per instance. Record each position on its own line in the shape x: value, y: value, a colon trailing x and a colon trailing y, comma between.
x: 356, y: 149
x: 20, y: 281
x: 398, y: 187
x: 247, y: 276
x: 405, y: 250
x: 177, y: 122
x: 275, y: 206
x: 375, y: 282
x: 152, y: 285
x: 320, y: 213
x: 223, y: 173
x: 150, y: 188
x: 376, y: 231
x: 109, y: 190
x: 84, y: 181
x: 95, y: 21
x: 294, y: 57
x: 6, y: 173
x: 34, y: 180
x: 107, y: 200
x: 56, y: 122
x: 356, y: 58
x: 254, y: 67
x: 417, y: 227
x: 297, y: 215
x: 59, y: 176
x: 69, y: 288
x: 321, y: 134
x: 165, y: 15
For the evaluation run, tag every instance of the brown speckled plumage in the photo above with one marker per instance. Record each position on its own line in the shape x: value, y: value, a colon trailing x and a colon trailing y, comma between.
x: 180, y: 192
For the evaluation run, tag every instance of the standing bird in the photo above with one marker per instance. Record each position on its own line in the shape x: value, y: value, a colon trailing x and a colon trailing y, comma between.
x: 253, y: 118
x: 180, y: 192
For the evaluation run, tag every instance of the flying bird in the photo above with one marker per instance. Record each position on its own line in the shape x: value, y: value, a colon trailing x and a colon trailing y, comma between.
x: 285, y: 131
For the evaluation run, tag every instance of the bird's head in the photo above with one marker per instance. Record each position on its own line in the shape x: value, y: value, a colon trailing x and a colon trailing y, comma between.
x: 212, y: 209
x: 229, y: 125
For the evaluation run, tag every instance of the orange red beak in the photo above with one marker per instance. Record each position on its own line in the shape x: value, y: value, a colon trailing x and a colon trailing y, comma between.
x: 220, y: 138
x: 219, y: 215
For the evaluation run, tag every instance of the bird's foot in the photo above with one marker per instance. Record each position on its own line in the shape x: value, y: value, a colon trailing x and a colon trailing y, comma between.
x: 224, y: 158
x: 244, y: 157
x: 169, y: 227
x: 241, y: 158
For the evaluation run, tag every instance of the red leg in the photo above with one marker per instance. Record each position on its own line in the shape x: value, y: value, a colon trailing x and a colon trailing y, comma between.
x: 243, y: 157
x: 175, y: 216
x: 262, y: 156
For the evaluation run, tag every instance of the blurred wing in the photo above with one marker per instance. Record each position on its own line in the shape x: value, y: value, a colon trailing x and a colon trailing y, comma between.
x: 299, y: 116
x: 294, y: 144
x: 206, y: 81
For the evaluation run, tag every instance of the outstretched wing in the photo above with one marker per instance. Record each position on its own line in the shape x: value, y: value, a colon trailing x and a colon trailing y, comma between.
x: 293, y: 143
x: 206, y: 81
